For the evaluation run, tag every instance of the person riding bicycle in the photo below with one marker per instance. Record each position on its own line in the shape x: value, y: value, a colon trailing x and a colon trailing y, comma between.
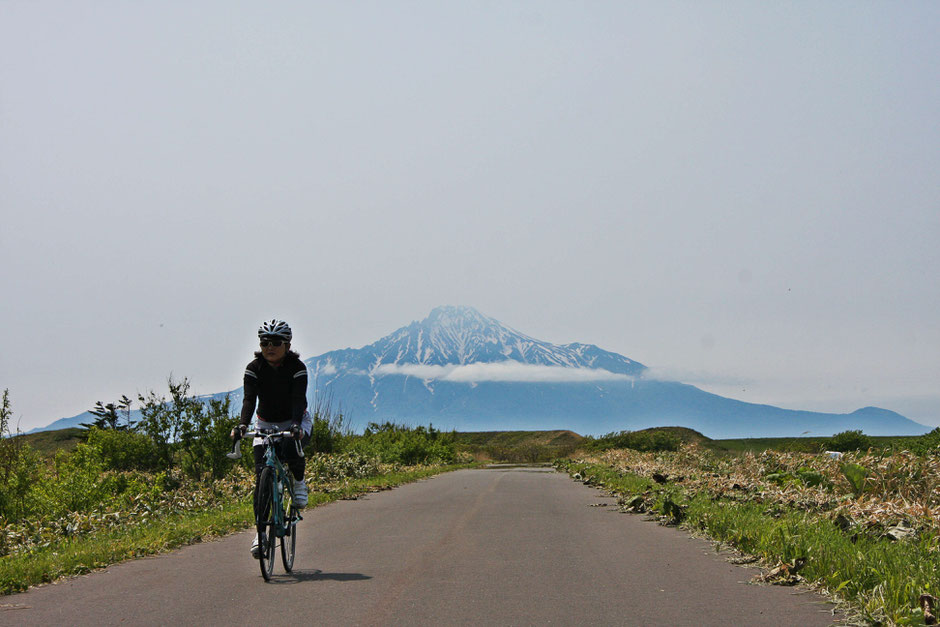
x: 276, y: 380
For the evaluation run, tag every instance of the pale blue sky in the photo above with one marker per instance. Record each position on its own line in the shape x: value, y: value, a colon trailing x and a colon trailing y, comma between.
x: 740, y: 195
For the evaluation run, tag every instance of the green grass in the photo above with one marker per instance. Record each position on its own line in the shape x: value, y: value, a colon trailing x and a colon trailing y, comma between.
x: 880, y: 579
x: 81, y: 555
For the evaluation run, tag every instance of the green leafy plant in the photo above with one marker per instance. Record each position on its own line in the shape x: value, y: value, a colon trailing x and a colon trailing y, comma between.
x: 855, y: 474
x: 812, y: 478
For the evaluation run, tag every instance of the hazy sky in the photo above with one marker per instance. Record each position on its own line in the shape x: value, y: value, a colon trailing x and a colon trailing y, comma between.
x: 742, y: 195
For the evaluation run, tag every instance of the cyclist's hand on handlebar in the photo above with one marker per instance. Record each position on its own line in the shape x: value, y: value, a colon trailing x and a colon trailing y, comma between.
x: 239, y: 432
x: 296, y: 432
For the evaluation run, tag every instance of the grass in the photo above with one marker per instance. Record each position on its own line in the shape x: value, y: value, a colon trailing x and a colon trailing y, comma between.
x: 880, y: 579
x: 84, y: 554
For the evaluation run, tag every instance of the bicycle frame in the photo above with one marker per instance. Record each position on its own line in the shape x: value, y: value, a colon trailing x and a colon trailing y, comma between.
x: 281, y: 522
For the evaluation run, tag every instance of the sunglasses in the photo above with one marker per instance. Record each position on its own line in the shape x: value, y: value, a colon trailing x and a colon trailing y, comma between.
x: 274, y: 343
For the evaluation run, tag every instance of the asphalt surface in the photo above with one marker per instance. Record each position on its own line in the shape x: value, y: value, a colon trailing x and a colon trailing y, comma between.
x: 501, y: 546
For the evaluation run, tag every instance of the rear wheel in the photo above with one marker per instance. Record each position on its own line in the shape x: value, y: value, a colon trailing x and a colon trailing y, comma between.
x: 264, y: 517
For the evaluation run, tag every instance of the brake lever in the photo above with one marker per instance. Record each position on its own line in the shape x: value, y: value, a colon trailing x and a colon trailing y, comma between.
x: 236, y: 450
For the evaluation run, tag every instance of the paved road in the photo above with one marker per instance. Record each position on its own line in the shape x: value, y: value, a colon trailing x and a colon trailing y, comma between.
x: 504, y: 546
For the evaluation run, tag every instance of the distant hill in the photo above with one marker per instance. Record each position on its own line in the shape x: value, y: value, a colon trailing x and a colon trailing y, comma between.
x: 48, y: 443
x: 684, y: 434
x: 515, y: 438
x: 518, y: 446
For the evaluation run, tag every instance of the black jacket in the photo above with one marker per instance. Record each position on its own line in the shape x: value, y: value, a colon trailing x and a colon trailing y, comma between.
x: 281, y: 393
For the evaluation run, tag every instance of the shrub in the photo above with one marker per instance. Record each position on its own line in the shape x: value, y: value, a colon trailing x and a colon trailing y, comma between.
x: 188, y: 431
x: 637, y: 440
x: 849, y: 441
x: 399, y: 444
x: 74, y: 483
x: 350, y: 465
x: 20, y: 466
x: 927, y: 443
x: 123, y: 450
x: 329, y: 429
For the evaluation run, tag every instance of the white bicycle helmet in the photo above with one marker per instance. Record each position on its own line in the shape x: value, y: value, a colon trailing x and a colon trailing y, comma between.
x: 275, y: 328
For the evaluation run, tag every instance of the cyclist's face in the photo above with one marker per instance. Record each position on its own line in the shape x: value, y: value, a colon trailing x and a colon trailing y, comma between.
x: 274, y: 354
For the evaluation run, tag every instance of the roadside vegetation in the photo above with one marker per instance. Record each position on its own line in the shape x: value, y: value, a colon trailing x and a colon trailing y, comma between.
x: 117, y: 490
x: 862, y: 524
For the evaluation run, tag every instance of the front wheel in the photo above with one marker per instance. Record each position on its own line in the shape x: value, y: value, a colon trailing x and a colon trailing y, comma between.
x: 264, y: 518
x: 289, y: 541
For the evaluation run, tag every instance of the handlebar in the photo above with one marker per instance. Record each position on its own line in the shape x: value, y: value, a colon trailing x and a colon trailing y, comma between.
x: 267, y: 435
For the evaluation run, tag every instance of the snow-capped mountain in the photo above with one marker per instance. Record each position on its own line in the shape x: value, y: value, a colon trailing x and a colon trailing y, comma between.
x: 460, y: 369
x: 458, y: 336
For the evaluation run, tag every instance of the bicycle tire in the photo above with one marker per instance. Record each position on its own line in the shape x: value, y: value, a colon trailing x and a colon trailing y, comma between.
x: 289, y: 541
x: 264, y: 520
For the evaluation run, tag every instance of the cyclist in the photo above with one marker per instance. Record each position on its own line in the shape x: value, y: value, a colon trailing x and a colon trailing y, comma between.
x: 277, y: 381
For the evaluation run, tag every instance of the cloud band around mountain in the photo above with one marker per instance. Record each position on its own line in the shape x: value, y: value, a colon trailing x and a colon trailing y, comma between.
x: 503, y: 371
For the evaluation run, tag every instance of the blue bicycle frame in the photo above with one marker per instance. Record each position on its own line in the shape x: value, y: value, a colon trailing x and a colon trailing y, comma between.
x: 282, y: 524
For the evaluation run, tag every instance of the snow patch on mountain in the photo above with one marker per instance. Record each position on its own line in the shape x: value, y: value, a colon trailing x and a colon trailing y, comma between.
x: 504, y: 371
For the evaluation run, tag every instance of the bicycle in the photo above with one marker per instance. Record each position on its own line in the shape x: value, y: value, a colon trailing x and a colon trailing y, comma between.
x: 276, y: 516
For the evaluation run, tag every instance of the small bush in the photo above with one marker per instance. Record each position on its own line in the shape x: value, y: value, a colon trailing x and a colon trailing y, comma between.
x: 849, y: 441
x: 73, y: 485
x: 399, y: 444
x: 352, y: 465
x: 927, y: 443
x: 187, y: 431
x: 637, y: 440
x: 20, y: 466
x: 329, y: 429
x: 123, y: 450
